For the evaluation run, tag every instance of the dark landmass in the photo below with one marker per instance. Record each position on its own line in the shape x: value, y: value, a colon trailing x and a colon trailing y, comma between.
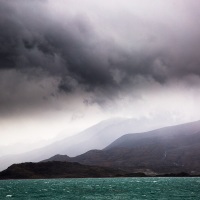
x: 57, y: 169
x: 169, y: 150
x: 182, y: 174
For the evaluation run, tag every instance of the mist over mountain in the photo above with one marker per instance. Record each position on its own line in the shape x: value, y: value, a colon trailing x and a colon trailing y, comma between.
x: 172, y: 149
x: 96, y: 137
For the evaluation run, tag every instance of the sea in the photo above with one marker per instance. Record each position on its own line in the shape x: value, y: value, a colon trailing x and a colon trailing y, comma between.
x: 102, y: 189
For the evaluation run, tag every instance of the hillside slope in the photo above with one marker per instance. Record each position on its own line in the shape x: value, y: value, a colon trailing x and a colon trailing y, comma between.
x: 95, y: 137
x: 167, y: 150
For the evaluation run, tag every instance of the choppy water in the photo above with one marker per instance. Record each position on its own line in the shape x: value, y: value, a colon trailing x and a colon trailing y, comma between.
x: 102, y: 188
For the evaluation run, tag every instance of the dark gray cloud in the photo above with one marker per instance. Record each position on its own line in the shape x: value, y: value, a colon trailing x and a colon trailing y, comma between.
x: 43, y: 57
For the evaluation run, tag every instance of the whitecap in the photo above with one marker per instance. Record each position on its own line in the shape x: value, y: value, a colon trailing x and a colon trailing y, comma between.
x: 9, y: 195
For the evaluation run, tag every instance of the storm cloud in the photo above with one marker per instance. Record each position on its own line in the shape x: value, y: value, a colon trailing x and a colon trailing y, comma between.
x: 54, y: 50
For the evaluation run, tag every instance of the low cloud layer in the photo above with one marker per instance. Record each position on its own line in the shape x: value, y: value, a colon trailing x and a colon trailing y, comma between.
x: 99, y: 52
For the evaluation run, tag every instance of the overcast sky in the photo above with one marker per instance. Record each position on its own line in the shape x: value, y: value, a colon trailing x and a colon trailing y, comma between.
x: 68, y: 64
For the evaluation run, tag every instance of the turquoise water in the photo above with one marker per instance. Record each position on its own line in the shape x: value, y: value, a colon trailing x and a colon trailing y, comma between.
x: 102, y: 188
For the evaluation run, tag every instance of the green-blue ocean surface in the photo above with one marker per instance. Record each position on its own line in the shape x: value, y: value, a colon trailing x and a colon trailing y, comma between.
x: 102, y: 188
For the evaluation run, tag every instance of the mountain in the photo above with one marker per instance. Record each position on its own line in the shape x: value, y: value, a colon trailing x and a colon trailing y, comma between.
x: 57, y: 170
x: 96, y: 137
x: 172, y: 149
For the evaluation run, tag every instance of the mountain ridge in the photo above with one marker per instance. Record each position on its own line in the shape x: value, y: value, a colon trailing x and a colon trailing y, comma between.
x: 96, y: 137
x: 172, y: 149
